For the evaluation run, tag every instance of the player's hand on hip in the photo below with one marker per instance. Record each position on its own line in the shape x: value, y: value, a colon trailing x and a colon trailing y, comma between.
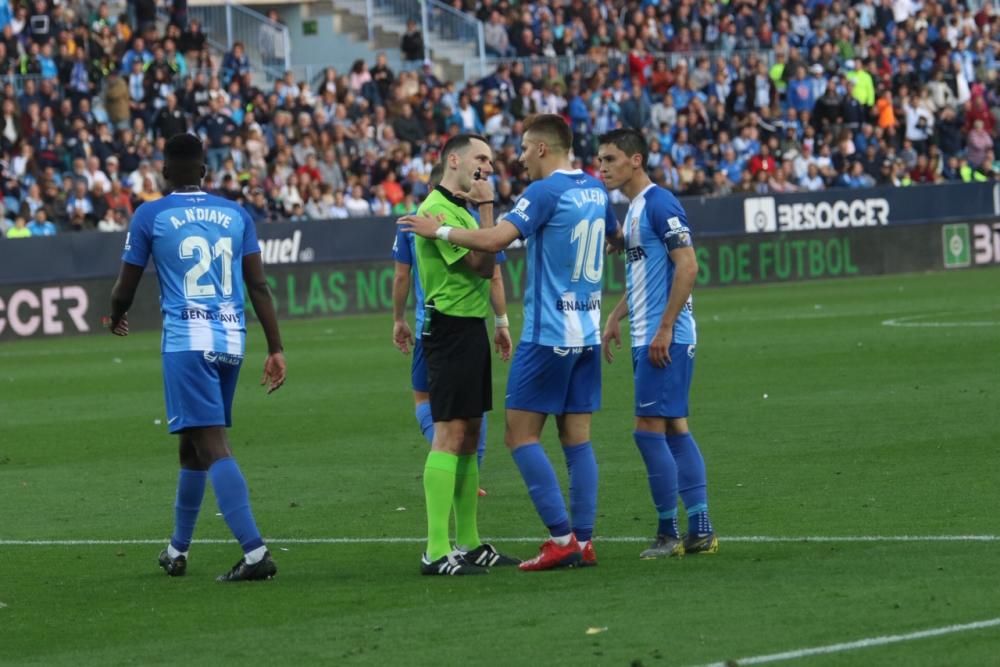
x: 421, y: 225
x: 402, y: 336
x: 502, y: 342
x: 612, y: 332
x: 659, y: 348
x: 274, y: 371
x: 119, y: 328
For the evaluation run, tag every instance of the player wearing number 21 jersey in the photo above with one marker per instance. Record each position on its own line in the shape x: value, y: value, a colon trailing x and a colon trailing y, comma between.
x: 564, y: 216
x: 204, y: 247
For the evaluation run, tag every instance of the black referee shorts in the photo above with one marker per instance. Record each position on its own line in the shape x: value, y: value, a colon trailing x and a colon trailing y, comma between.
x: 459, y: 372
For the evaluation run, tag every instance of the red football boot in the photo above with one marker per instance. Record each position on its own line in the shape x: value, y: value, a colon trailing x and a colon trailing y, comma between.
x: 552, y: 556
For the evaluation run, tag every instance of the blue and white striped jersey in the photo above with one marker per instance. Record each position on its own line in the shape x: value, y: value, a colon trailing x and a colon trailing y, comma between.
x: 564, y: 219
x: 655, y: 225
x: 197, y: 242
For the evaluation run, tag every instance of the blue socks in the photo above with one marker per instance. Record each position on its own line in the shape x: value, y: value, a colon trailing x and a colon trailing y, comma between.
x: 425, y: 420
x: 481, y: 447
x: 692, y: 482
x: 234, y: 502
x: 543, y: 487
x: 190, y: 491
x: 582, y: 488
x: 662, y: 473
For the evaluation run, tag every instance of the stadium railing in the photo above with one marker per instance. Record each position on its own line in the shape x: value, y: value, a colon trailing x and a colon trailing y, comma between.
x: 226, y: 24
x: 589, y: 64
x: 438, y: 22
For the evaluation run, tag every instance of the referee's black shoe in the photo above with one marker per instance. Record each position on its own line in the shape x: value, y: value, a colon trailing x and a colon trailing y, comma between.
x: 485, y: 555
x: 453, y: 564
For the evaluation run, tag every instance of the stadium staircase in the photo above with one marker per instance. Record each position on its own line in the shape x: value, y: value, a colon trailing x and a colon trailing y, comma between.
x: 385, y: 22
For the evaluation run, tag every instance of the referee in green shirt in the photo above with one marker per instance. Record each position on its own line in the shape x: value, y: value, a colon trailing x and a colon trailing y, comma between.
x: 456, y: 284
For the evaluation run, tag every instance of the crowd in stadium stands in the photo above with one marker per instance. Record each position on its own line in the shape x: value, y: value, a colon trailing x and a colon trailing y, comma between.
x: 881, y: 92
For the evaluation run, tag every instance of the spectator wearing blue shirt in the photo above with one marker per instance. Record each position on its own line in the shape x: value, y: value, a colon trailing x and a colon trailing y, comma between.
x: 235, y: 63
x: 216, y: 130
x: 799, y: 94
x: 138, y: 53
x: 41, y: 225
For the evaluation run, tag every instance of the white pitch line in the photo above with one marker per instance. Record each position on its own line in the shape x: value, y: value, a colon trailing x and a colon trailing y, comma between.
x: 859, y: 644
x: 908, y: 321
x: 758, y: 539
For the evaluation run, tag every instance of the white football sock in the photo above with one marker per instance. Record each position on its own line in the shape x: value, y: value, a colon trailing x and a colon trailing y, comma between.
x: 174, y: 553
x: 562, y: 540
x: 255, y: 556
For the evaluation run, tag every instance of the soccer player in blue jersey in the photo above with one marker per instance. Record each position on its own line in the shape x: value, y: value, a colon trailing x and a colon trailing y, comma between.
x: 405, y: 258
x: 564, y: 216
x: 204, y: 247
x: 660, y: 272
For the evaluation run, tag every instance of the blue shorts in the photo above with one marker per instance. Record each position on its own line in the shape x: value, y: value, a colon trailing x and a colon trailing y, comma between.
x: 418, y: 368
x: 199, y: 388
x: 663, y: 392
x: 555, y: 380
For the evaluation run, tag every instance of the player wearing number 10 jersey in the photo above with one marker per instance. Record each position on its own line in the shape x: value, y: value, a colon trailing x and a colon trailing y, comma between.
x: 203, y: 248
x: 564, y: 217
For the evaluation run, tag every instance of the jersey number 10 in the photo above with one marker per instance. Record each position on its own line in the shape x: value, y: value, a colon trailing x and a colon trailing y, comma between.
x: 589, y: 250
x: 198, y: 245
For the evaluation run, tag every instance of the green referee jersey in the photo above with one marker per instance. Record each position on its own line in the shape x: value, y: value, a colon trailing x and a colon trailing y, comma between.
x: 453, y: 287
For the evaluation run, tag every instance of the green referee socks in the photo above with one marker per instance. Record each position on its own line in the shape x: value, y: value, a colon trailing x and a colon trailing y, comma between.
x: 439, y: 492
x: 466, y: 503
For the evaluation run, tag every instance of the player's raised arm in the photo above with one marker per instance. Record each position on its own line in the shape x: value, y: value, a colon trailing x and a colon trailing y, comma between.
x: 263, y: 306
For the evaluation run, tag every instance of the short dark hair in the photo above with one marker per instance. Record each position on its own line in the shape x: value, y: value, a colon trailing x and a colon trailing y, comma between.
x: 184, y: 148
x: 552, y: 126
x: 460, y: 142
x: 628, y: 140
x: 437, y: 173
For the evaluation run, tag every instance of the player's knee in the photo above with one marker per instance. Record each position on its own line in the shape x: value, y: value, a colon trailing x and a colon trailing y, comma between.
x: 449, y: 436
x: 677, y: 426
x: 651, y: 424
x: 188, y: 454
x: 210, y: 444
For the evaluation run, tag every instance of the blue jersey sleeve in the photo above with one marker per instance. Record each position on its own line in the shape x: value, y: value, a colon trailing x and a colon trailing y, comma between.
x: 669, y: 221
x: 401, y: 248
x: 139, y: 240
x: 501, y: 257
x: 532, y: 210
x: 250, y: 243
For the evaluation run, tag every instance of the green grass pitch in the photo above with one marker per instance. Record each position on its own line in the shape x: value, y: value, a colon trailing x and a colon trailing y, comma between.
x: 815, y: 418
